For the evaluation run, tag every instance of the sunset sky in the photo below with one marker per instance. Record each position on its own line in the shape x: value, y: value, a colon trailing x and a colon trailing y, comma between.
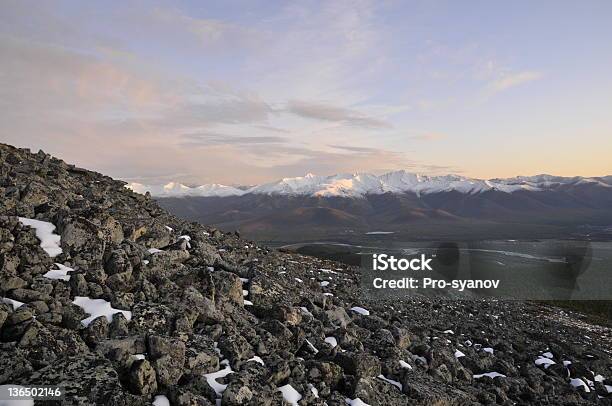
x: 242, y: 92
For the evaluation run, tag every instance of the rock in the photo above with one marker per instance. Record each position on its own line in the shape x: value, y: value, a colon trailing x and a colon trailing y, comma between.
x: 168, y: 357
x: 142, y: 379
x: 359, y: 365
x: 338, y: 317
x: 86, y: 378
x: 11, y: 282
x: 96, y: 331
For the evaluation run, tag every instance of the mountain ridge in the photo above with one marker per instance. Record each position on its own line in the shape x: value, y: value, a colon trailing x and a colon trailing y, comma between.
x: 358, y: 185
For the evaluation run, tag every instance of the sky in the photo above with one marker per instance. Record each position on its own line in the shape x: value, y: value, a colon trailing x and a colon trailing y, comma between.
x: 244, y: 92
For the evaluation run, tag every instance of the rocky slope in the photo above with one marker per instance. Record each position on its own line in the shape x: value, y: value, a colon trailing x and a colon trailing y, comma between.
x: 124, y: 304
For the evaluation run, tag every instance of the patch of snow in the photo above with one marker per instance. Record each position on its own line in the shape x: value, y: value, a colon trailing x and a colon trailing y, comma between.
x: 566, y: 363
x: 244, y: 280
x: 290, y: 395
x: 138, y: 356
x: 298, y: 280
x: 312, y: 347
x: 161, y: 400
x: 328, y: 294
x: 448, y: 332
x: 257, y: 359
x: 379, y: 232
x: 392, y: 382
x: 548, y: 355
x: 488, y: 349
x: 212, y: 377
x: 405, y: 365
x: 459, y: 354
x: 577, y: 382
x: 49, y: 241
x: 360, y: 310
x: 355, y: 402
x: 15, y: 303
x: 324, y: 284
x: 97, y: 308
x: 314, y: 390
x: 490, y: 375
x: 245, y: 292
x: 154, y: 250
x: 186, y: 238
x: 331, y: 341
x: 248, y: 303
x: 61, y: 273
x: 546, y: 362
x: 599, y: 378
x: 169, y: 228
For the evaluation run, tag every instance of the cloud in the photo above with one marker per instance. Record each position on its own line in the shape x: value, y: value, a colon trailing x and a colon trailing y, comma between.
x: 327, y: 112
x: 514, y: 79
x: 429, y: 137
x: 226, y: 139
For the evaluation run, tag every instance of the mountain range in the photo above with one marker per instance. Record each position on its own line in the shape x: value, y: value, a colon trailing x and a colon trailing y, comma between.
x: 400, y: 205
x: 362, y: 184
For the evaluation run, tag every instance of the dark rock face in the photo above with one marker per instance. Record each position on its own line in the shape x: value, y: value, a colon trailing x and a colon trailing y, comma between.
x: 213, y: 317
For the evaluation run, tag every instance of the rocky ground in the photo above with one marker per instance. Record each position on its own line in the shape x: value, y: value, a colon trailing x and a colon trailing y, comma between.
x: 133, y: 306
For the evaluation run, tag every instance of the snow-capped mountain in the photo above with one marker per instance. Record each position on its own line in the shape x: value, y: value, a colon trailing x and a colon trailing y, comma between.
x: 174, y: 189
x: 361, y: 184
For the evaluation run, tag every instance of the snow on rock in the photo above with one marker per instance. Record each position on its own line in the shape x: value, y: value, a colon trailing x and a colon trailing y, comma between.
x: 212, y: 377
x: 314, y: 390
x: 331, y: 341
x: 49, y: 241
x: 546, y: 362
x: 459, y: 354
x: 290, y: 395
x: 257, y: 359
x: 15, y: 303
x: 577, y: 382
x: 360, y: 310
x: 97, y: 308
x: 312, y: 347
x: 405, y: 365
x: 186, y: 238
x: 392, y: 382
x: 61, y: 273
x: 490, y: 375
x: 355, y: 402
x: 161, y: 400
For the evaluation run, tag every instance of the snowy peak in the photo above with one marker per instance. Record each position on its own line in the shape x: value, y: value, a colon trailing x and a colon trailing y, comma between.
x: 361, y: 184
x: 174, y: 189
